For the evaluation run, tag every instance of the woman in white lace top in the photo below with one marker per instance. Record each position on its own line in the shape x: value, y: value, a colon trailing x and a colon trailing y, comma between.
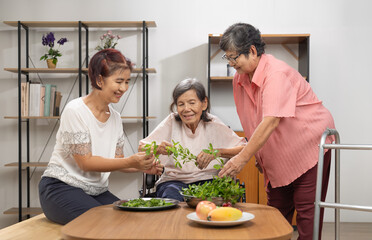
x: 89, y: 145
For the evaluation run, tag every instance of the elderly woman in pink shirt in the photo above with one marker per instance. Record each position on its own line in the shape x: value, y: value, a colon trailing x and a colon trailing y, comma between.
x: 283, y: 120
x: 194, y: 128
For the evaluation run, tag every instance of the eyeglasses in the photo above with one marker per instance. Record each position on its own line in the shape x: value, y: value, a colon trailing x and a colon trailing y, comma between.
x: 231, y: 59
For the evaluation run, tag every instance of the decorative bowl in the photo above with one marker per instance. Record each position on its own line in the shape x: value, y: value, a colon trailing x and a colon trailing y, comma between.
x: 193, y: 201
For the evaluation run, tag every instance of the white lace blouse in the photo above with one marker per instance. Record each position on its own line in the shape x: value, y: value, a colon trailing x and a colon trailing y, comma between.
x: 81, y: 133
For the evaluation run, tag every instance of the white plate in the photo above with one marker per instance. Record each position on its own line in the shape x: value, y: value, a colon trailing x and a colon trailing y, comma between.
x: 245, y: 218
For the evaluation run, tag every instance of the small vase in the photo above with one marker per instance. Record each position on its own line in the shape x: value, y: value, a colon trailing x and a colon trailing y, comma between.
x: 51, y: 64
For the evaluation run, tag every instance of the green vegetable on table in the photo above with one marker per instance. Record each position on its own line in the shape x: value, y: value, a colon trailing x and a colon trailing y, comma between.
x: 146, y: 203
x: 225, y: 187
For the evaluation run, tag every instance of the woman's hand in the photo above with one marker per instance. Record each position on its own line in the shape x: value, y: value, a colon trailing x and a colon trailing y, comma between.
x: 203, y: 159
x: 162, y: 149
x: 141, y: 161
x: 233, y: 167
x: 156, y: 169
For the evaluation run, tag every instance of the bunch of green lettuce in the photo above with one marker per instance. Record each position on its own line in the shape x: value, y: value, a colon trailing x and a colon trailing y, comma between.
x: 224, y: 187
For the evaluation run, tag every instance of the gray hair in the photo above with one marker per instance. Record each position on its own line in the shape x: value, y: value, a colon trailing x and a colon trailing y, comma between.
x: 240, y: 37
x: 186, y: 85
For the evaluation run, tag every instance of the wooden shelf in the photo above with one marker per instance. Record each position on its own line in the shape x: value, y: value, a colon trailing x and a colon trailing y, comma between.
x: 148, y: 70
x: 46, y: 70
x: 270, y: 38
x: 221, y: 79
x: 66, y: 70
x: 25, y: 211
x: 57, y: 117
x: 118, y: 24
x: 64, y: 24
x: 27, y: 164
x: 31, y: 117
x: 44, y: 23
x: 140, y: 27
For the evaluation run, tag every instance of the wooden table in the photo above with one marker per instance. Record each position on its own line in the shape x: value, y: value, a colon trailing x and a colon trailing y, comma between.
x: 105, y: 222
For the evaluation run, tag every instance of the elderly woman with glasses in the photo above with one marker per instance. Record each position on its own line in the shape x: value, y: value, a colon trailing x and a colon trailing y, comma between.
x: 194, y: 128
x: 283, y: 120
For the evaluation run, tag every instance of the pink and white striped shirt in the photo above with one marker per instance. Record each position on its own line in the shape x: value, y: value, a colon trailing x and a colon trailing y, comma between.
x: 278, y: 90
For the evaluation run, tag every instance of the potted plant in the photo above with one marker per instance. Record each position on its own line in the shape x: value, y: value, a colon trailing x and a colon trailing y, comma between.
x: 52, y: 53
x: 108, y: 40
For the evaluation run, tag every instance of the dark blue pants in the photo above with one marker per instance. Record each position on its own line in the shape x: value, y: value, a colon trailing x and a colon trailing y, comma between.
x: 61, y: 202
x: 172, y: 189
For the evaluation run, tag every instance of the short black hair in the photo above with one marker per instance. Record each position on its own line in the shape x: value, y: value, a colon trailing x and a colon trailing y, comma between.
x: 240, y: 37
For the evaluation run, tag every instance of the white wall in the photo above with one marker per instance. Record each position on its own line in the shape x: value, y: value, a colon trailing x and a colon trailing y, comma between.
x: 340, y: 61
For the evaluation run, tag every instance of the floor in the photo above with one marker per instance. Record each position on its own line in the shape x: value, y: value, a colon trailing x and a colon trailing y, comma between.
x: 353, y: 231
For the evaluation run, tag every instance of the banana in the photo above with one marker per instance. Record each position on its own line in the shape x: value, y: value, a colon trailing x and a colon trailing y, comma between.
x: 224, y: 214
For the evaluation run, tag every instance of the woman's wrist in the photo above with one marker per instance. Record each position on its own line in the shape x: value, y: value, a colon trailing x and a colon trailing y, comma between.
x: 220, y: 152
x: 130, y: 162
x: 242, y: 158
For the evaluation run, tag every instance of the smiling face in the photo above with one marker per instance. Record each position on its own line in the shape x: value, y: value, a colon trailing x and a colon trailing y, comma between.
x: 190, y: 108
x: 114, y: 86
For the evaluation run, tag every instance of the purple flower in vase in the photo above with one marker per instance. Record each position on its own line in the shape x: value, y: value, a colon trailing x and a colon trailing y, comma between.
x: 62, y: 41
x: 48, y: 40
x: 52, y: 53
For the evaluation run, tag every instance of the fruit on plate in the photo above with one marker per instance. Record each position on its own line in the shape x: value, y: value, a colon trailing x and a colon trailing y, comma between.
x: 224, y: 214
x: 226, y: 204
x: 203, y: 208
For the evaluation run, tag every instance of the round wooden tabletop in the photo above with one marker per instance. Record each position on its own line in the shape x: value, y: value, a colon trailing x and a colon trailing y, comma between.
x: 108, y: 222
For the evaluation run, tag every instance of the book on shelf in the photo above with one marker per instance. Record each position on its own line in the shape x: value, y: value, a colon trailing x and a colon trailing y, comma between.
x: 25, y: 86
x: 34, y: 101
x: 23, y: 98
x: 52, y: 100
x: 48, y: 88
x: 57, y: 103
x: 42, y: 101
x: 27, y: 99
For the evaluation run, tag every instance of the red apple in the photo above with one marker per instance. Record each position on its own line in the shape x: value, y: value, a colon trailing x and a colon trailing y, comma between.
x: 203, y: 208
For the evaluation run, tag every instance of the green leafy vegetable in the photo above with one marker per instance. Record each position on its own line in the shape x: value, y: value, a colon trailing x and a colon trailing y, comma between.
x: 152, y: 147
x: 186, y: 156
x: 180, y: 152
x: 214, y: 152
x: 225, y: 187
x: 146, y: 203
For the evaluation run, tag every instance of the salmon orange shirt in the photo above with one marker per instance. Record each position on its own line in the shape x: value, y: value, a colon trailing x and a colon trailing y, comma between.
x: 278, y: 90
